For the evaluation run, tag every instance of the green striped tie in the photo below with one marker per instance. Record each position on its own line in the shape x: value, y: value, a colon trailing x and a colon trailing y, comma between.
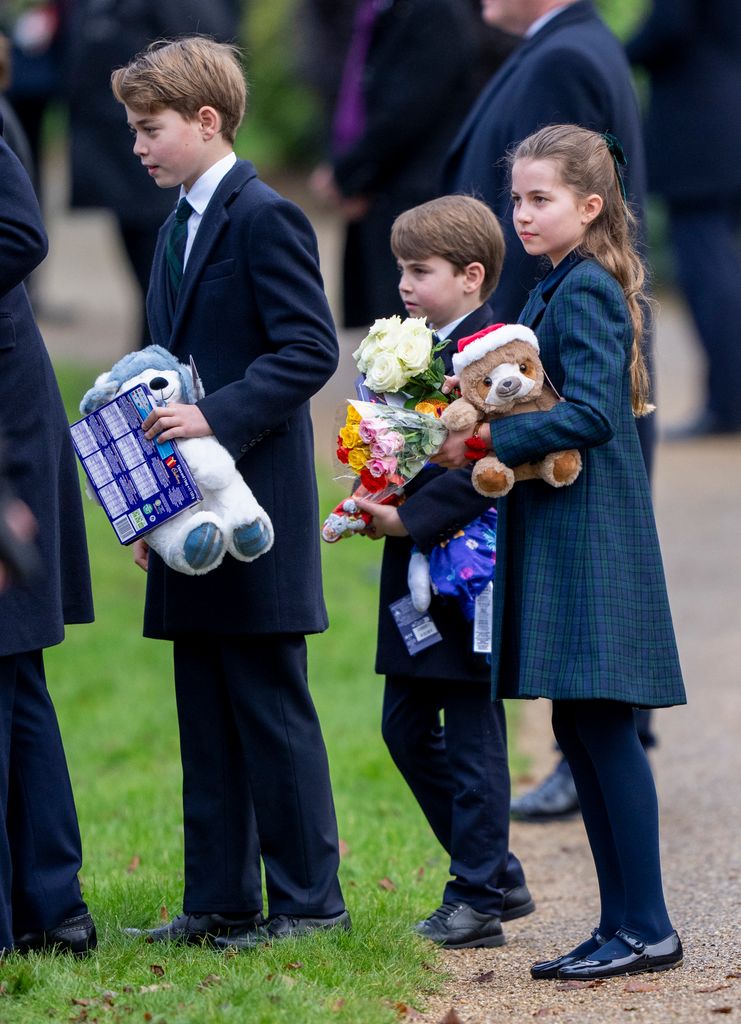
x: 175, y: 251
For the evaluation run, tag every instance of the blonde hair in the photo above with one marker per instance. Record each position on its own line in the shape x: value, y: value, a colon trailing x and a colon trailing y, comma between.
x: 586, y: 165
x: 459, y: 229
x: 185, y: 75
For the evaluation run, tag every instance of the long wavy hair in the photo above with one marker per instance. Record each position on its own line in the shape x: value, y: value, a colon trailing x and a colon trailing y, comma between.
x: 587, y: 166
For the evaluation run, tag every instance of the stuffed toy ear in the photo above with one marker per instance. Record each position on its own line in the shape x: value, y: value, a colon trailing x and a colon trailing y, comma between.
x: 101, y: 392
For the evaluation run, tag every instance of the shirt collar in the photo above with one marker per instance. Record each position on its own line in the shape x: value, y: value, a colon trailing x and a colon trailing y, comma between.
x: 543, y: 20
x: 204, y: 187
x: 448, y: 329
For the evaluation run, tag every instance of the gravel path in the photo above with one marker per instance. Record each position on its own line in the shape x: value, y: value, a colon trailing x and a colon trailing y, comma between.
x: 698, y: 762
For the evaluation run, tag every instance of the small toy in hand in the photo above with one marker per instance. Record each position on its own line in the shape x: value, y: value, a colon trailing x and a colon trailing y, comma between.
x: 229, y: 519
x: 501, y: 374
x: 346, y: 518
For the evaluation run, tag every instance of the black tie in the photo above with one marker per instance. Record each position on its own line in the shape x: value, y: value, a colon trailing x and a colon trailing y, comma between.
x: 175, y: 252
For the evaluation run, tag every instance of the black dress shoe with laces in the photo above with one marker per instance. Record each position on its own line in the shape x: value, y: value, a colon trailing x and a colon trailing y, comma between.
x: 638, y: 958
x: 517, y: 903
x: 459, y: 926
x: 554, y: 799
x: 282, y: 926
x: 196, y: 929
x: 550, y: 968
x: 74, y: 935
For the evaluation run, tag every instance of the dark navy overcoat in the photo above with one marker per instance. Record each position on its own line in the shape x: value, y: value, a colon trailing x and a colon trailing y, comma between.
x: 35, y: 433
x: 439, y: 502
x: 581, y: 608
x: 253, y: 315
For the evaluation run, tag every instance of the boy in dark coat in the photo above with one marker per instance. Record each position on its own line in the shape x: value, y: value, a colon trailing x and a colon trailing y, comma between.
x: 240, y: 291
x: 450, y: 254
x: 40, y: 852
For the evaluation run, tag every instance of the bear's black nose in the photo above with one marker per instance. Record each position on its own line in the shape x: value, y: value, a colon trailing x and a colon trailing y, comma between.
x: 158, y: 383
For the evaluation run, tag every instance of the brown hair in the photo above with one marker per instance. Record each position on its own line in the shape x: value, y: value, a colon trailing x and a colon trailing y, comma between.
x: 586, y: 166
x: 459, y: 229
x: 185, y: 75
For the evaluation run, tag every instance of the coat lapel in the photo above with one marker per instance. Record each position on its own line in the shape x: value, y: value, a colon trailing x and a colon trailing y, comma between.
x: 215, y: 219
x: 541, y: 295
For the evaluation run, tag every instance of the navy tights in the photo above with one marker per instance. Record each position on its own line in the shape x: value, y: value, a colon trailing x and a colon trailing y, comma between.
x: 620, y: 811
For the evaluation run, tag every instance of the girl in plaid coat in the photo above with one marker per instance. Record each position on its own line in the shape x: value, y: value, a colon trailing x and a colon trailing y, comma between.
x: 582, y: 614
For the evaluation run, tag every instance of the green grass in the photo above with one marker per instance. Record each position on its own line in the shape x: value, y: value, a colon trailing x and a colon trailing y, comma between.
x: 114, y: 697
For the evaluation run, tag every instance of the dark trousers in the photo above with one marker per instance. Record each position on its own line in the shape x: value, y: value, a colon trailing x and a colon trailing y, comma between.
x: 40, y: 850
x: 459, y: 776
x: 707, y: 246
x: 255, y: 779
x: 618, y: 802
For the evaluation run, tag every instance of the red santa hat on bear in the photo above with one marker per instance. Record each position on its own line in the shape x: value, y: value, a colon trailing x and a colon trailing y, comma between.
x: 476, y: 346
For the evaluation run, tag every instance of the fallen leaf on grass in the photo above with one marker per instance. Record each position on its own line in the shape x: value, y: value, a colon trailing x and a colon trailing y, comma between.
x: 641, y: 986
x: 722, y: 1009
x: 484, y: 979
x: 134, y: 864
x: 295, y: 965
x: 420, y: 874
x: 404, y: 1011
x: 154, y: 988
x: 210, y: 979
x: 157, y: 970
x: 343, y: 848
x: 337, y: 1004
x: 164, y: 914
x: 83, y: 1002
x: 386, y: 884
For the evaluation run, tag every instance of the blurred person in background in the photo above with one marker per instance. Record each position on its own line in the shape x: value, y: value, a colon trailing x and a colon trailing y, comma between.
x: 408, y: 78
x: 103, y: 35
x: 692, y: 52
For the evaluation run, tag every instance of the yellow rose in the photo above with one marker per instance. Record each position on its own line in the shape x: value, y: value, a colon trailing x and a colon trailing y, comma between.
x: 430, y: 408
x: 353, y: 416
x: 357, y: 458
x: 349, y: 435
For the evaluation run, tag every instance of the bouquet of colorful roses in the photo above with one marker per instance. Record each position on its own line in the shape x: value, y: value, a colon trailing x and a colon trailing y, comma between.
x: 399, y: 357
x: 383, y: 447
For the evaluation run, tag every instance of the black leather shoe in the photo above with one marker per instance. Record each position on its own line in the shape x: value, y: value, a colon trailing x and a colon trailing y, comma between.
x: 641, y: 957
x: 458, y: 926
x: 517, y: 903
x: 282, y: 926
x: 196, y: 929
x: 554, y: 799
x: 75, y: 935
x: 550, y: 968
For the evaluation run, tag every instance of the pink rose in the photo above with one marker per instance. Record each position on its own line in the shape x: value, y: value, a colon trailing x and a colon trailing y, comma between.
x: 389, y: 442
x: 368, y: 429
x: 381, y: 467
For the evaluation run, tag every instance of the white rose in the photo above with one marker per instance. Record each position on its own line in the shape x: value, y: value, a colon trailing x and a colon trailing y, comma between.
x: 414, y: 345
x: 380, y: 337
x: 385, y: 374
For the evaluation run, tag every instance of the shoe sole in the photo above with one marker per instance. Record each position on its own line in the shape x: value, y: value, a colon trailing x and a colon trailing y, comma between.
x: 490, y: 943
x: 521, y: 911
x: 622, y: 974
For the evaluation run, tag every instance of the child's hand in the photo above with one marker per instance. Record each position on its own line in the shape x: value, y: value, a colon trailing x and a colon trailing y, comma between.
x: 167, y: 422
x: 450, y: 383
x: 140, y: 550
x: 386, y: 520
x: 453, y: 455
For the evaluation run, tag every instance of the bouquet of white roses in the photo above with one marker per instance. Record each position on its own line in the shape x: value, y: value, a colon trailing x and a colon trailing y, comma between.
x: 399, y: 356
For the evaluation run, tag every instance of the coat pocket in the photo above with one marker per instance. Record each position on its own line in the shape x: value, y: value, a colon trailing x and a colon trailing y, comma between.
x: 7, y: 332
x: 225, y: 268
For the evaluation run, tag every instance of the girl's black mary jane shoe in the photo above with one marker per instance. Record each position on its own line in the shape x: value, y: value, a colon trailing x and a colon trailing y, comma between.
x: 643, y: 956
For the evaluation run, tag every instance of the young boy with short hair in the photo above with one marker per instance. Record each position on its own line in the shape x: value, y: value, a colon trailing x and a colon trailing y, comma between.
x: 236, y: 285
x: 450, y: 253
